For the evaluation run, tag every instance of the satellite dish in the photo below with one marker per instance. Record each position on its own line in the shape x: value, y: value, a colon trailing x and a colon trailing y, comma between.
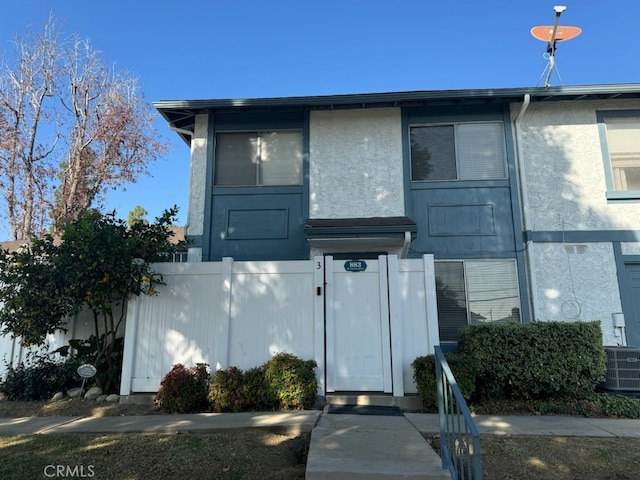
x: 544, y: 33
x: 552, y: 35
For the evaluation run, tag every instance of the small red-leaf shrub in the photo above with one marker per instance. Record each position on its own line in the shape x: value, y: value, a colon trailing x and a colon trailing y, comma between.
x: 184, y: 390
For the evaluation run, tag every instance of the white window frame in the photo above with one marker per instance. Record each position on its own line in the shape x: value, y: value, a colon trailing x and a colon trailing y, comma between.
x: 455, y: 126
x: 612, y: 192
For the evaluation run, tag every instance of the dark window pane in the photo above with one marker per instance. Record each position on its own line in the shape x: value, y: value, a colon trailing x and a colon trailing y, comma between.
x: 236, y: 158
x: 433, y: 155
x: 452, y: 303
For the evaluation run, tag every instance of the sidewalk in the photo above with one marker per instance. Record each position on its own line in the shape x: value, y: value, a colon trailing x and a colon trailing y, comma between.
x: 277, y: 422
x: 538, y: 425
x: 305, y: 421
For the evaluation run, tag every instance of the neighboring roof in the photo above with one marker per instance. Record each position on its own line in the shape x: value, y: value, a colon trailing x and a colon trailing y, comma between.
x: 181, y: 113
x: 178, y: 234
x: 14, y: 245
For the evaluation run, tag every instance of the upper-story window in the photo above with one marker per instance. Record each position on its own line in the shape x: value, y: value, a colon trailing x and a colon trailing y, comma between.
x: 458, y: 151
x: 621, y: 146
x: 258, y: 158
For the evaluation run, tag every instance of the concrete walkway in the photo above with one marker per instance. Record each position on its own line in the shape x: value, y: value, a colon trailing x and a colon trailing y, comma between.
x: 345, y: 447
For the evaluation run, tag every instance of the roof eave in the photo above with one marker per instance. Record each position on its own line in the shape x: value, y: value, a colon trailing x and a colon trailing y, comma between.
x: 180, y: 113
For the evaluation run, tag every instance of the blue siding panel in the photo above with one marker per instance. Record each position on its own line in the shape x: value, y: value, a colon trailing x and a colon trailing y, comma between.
x: 258, y: 227
x: 471, y: 220
x: 461, y: 222
x: 272, y: 224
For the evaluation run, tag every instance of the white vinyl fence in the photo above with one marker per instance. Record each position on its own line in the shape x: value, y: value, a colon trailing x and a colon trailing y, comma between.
x: 242, y: 313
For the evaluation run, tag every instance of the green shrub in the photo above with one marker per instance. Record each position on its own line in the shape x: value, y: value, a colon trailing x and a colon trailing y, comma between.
x: 611, y: 405
x: 599, y: 404
x: 37, y: 381
x: 283, y: 382
x: 184, y: 390
x: 228, y: 392
x: 424, y: 375
x: 258, y: 394
x: 291, y: 381
x: 535, y: 360
x: 103, y: 353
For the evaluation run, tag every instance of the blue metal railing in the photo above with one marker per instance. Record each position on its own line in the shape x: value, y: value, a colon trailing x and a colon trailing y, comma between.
x: 459, y: 436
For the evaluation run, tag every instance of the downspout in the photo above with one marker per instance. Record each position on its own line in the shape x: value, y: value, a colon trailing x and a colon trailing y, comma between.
x: 524, y: 204
x: 405, y: 245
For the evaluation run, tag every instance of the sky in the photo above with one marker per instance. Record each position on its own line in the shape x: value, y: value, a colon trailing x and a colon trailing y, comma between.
x: 253, y: 48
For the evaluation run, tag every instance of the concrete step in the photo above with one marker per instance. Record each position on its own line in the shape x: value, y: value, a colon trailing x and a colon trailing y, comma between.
x: 359, y: 447
x: 408, y: 403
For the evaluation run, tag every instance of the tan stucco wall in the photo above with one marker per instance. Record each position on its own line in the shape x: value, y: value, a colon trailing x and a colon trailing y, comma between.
x: 565, y: 191
x: 356, y: 163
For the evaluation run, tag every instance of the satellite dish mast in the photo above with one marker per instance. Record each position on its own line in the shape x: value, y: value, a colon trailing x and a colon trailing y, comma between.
x: 552, y: 35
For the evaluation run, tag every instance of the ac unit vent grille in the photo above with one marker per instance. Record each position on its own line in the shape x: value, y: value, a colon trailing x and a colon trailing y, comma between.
x: 623, y: 369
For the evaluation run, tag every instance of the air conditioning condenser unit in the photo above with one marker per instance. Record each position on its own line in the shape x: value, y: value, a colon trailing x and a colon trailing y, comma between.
x: 623, y: 369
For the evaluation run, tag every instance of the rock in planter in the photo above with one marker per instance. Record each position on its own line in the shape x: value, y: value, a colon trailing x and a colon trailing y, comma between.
x: 93, y: 393
x: 58, y: 396
x: 74, y: 392
x: 101, y: 398
x: 113, y: 398
x: 2, y: 397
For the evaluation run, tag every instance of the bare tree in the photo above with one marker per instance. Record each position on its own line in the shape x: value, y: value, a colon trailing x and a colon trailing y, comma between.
x: 25, y: 90
x: 71, y: 128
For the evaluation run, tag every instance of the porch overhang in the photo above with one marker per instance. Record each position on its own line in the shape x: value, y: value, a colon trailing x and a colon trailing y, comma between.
x: 376, y: 234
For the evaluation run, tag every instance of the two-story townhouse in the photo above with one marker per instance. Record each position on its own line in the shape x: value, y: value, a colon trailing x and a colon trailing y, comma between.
x: 523, y: 196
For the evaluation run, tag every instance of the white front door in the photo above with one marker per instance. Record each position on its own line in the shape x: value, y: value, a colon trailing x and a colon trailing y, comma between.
x: 357, y: 325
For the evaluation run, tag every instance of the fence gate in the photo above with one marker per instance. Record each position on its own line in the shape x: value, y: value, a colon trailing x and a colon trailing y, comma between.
x: 358, y: 352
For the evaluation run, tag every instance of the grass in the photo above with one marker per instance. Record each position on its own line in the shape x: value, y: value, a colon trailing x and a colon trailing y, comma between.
x: 506, y: 457
x: 232, y: 455
x: 238, y: 455
x: 559, y: 458
x: 261, y: 455
x: 523, y: 457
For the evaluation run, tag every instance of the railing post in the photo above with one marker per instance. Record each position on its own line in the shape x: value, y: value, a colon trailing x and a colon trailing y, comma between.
x: 459, y: 436
x: 441, y: 416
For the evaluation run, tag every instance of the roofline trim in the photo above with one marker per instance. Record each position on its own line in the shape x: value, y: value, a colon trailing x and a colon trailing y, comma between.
x: 363, y: 99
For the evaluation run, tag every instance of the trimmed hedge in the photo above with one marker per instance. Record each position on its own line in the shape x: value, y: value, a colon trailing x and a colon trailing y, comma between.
x: 291, y: 381
x: 424, y: 375
x: 284, y: 382
x: 535, y: 360
x: 233, y: 390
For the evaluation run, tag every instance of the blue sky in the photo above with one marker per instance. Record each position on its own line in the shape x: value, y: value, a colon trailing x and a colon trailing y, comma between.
x: 254, y: 48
